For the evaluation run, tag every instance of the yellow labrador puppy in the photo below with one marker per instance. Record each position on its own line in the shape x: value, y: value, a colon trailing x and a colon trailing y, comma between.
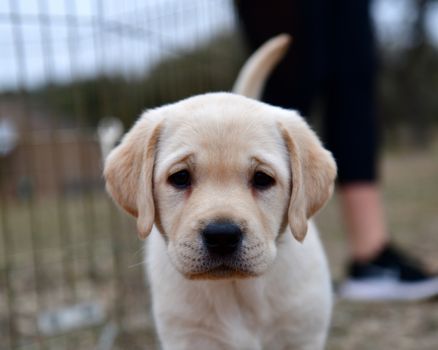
x: 226, y: 185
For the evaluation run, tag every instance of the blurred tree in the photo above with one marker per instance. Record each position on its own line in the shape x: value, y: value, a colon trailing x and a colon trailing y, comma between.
x: 409, y: 81
x: 211, y: 67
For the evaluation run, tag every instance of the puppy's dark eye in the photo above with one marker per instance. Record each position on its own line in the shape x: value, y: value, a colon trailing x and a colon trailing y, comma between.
x: 180, y: 180
x: 262, y: 181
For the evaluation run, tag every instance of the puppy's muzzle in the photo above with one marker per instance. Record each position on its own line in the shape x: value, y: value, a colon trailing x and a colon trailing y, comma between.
x: 222, y: 238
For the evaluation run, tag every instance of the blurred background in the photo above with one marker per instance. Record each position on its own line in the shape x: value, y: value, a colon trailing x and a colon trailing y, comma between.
x: 75, y: 73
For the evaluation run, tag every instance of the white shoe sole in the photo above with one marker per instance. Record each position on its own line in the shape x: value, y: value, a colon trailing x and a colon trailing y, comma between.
x: 385, y: 290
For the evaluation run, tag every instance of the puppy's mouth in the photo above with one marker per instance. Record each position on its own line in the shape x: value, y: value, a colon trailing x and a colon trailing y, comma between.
x: 230, y: 267
x: 222, y: 271
x: 193, y: 261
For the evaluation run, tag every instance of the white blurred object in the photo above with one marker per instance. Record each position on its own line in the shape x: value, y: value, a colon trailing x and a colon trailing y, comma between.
x: 71, y: 318
x: 109, y: 131
x: 108, y: 336
x: 8, y: 136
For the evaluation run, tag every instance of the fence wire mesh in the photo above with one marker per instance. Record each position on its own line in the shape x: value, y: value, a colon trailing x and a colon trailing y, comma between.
x: 70, y: 263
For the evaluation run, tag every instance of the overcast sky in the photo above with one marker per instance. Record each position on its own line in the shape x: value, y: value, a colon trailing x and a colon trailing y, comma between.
x: 126, y: 36
x: 80, y: 39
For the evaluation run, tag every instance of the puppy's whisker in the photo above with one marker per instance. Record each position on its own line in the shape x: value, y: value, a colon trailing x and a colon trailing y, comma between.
x: 141, y: 250
x: 141, y: 263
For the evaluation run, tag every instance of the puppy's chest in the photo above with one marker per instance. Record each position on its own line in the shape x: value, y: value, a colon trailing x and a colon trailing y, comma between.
x: 243, y: 310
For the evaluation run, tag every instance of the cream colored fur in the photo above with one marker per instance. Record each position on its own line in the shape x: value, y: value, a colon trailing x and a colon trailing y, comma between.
x: 256, y: 70
x: 276, y: 294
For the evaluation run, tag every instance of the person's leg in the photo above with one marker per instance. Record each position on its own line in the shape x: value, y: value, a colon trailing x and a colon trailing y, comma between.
x: 351, y: 128
x: 295, y: 83
x: 364, y: 217
x: 377, y: 270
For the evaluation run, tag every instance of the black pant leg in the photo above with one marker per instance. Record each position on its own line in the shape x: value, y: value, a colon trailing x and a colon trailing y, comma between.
x: 351, y: 130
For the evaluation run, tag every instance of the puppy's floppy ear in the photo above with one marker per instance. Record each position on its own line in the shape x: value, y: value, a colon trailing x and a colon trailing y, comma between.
x: 128, y: 172
x: 313, y: 172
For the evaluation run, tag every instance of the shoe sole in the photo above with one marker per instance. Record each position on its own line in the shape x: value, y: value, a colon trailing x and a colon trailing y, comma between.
x: 378, y: 290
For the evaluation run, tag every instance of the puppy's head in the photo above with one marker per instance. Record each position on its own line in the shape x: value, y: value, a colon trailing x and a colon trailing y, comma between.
x: 221, y: 176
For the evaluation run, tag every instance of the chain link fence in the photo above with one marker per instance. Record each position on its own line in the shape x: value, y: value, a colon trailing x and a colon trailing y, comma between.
x: 70, y: 262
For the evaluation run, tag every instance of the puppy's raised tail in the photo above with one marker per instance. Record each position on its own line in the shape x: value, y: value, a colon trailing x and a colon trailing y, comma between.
x: 252, y: 77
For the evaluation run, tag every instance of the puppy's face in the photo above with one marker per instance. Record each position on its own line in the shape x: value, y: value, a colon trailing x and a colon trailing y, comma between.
x: 222, y: 188
x: 221, y: 176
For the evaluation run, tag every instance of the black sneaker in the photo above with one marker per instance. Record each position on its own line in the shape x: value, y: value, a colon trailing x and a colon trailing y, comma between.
x: 390, y: 276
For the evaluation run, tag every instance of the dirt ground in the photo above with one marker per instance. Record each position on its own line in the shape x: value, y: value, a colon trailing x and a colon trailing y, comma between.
x: 410, y: 191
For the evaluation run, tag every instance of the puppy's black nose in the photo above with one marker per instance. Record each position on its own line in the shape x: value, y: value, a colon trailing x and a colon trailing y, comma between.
x: 222, y: 238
